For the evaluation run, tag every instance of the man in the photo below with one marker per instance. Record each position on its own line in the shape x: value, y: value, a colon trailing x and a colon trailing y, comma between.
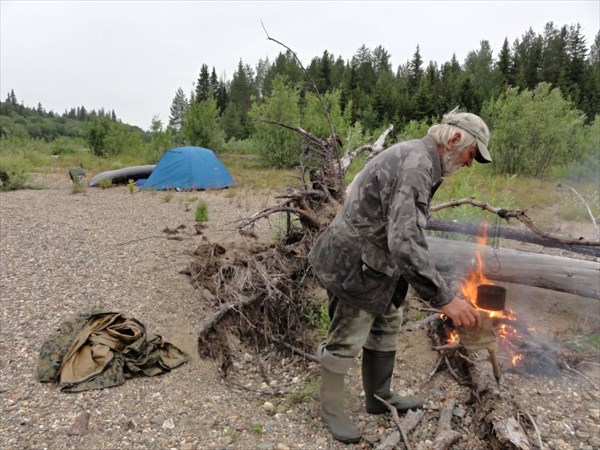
x: 373, y: 249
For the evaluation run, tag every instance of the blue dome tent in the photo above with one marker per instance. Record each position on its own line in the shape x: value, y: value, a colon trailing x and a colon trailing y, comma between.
x: 188, y: 168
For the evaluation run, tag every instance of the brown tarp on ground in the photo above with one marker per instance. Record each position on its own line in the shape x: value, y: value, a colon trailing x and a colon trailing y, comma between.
x: 95, y: 350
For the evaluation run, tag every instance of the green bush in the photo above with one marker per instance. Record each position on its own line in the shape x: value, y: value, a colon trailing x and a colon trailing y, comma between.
x: 12, y: 181
x: 201, y: 212
x: 532, y: 131
x: 278, y: 147
x: 201, y: 125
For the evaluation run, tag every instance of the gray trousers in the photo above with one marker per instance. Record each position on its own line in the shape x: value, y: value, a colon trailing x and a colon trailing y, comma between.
x: 351, y: 329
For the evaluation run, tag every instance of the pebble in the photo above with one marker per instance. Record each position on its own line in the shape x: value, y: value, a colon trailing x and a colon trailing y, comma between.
x: 157, y: 420
x: 459, y: 412
x: 266, y: 446
x: 168, y: 424
x: 80, y: 426
x: 268, y: 406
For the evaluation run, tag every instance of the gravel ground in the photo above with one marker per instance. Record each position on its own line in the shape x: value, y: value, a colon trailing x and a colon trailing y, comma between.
x: 64, y: 253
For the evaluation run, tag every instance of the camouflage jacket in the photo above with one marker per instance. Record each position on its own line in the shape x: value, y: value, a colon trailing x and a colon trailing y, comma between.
x: 100, y: 349
x: 377, y: 239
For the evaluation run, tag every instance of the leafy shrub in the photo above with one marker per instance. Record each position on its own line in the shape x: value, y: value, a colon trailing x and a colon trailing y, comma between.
x: 278, y: 147
x: 533, y: 131
x: 12, y: 181
x: 201, y: 125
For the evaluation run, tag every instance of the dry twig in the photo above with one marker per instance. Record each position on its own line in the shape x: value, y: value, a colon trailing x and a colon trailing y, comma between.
x: 396, y: 418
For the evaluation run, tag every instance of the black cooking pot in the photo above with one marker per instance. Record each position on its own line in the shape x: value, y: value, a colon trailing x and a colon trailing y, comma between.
x: 491, y: 297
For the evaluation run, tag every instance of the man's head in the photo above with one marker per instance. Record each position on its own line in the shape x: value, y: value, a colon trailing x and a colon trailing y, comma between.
x: 461, y: 138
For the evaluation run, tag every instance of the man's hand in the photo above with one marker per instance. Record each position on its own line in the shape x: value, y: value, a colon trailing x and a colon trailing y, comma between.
x: 461, y: 313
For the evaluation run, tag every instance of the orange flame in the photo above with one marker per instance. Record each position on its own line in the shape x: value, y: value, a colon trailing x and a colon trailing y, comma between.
x: 516, y: 358
x: 476, y: 276
x: 452, y: 338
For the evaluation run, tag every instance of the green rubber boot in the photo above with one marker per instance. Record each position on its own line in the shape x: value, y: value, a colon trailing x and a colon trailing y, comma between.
x: 377, y: 369
x: 332, y: 408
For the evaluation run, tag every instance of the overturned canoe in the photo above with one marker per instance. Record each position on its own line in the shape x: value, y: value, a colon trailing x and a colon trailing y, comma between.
x: 123, y: 175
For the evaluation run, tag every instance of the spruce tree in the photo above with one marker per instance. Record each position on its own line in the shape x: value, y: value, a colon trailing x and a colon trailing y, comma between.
x: 203, y: 84
x: 178, y: 108
x: 415, y: 71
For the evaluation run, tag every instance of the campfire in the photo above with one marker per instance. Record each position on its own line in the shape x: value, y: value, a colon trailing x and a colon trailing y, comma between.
x: 511, y: 343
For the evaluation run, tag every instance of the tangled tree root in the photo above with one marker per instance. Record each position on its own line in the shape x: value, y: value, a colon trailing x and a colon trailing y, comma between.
x: 260, y: 297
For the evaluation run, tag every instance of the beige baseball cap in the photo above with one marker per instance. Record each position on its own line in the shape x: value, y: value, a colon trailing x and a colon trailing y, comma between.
x: 476, y: 127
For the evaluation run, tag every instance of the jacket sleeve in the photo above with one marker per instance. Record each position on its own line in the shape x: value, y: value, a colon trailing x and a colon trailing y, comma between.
x: 406, y: 219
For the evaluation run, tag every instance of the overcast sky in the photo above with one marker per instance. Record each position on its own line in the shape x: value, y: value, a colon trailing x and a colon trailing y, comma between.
x: 131, y: 56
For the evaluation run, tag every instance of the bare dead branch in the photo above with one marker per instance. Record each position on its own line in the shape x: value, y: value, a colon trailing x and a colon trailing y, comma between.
x: 438, y: 348
x: 311, y: 221
x: 421, y: 323
x: 374, y: 149
x: 474, y: 229
x: 305, y: 134
x: 516, y: 214
x: 293, y: 349
x: 307, y: 75
x: 446, y: 436
x: 537, y: 431
x: 585, y: 203
x: 396, y: 418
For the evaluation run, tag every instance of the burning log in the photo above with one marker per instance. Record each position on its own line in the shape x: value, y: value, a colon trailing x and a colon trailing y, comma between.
x: 497, y: 414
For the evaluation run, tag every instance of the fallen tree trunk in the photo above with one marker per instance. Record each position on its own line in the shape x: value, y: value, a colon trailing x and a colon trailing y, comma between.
x: 557, y: 273
x: 474, y: 229
x: 497, y: 414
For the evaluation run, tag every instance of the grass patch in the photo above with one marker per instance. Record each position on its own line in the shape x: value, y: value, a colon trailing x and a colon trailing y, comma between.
x: 317, y: 315
x: 585, y: 343
x: 256, y: 429
x: 78, y: 187
x: 105, y: 183
x: 201, y: 214
x: 306, y: 394
x: 249, y: 173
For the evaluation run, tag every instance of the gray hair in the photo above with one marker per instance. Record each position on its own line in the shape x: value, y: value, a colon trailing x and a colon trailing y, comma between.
x: 442, y: 133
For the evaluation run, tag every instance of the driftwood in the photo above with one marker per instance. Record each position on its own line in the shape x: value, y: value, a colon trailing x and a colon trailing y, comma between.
x: 573, y: 276
x: 446, y: 436
x: 497, y: 413
x: 396, y: 418
x: 516, y: 214
x: 409, y: 422
x: 474, y: 229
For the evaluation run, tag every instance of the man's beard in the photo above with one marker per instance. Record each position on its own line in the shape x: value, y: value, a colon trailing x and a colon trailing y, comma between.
x: 449, y: 164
